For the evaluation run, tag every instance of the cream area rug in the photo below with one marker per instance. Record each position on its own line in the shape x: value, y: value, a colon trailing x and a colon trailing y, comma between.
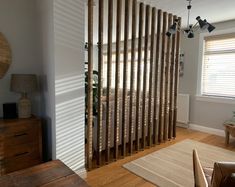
x: 173, y: 166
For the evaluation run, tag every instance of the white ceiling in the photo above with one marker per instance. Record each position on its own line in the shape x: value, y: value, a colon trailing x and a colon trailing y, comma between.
x: 212, y: 10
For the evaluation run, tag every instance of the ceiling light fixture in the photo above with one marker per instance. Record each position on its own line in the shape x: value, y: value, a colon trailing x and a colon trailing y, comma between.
x: 189, y: 31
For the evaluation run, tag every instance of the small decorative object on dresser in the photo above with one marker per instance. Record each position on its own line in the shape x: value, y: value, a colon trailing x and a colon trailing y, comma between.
x: 24, y: 84
x: 20, y: 144
x: 9, y: 111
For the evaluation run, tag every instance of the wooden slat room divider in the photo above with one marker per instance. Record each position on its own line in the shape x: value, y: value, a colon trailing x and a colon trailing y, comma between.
x: 125, y: 71
x: 176, y: 79
x: 150, y: 122
x: 109, y: 79
x: 137, y: 107
x: 166, y: 92
x: 139, y: 75
x: 89, y: 148
x: 156, y: 80
x: 162, y: 81
x: 171, y: 103
x: 100, y: 87
x: 132, y: 79
x: 144, y: 94
x: 117, y: 81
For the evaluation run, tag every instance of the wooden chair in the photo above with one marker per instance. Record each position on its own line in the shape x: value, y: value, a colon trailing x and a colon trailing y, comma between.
x: 199, y: 175
x: 222, y: 175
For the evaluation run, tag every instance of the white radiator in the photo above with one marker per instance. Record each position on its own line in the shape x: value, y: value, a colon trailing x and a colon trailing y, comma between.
x: 183, y: 109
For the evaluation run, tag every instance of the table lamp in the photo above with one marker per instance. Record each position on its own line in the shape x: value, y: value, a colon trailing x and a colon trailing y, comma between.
x: 24, y: 84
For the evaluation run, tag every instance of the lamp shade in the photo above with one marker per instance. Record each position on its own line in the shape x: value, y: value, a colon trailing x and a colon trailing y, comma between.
x: 210, y: 27
x: 203, y: 25
x: 168, y: 34
x: 186, y: 31
x: 23, y: 83
x: 190, y: 34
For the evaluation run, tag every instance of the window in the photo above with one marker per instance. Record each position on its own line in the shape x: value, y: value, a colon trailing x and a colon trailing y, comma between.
x: 218, y: 69
x: 121, y: 69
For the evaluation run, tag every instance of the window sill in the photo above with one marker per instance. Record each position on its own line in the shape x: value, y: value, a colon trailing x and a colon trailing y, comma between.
x: 215, y: 99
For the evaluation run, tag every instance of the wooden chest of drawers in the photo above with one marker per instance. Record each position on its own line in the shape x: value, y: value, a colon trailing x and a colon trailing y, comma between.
x: 20, y: 144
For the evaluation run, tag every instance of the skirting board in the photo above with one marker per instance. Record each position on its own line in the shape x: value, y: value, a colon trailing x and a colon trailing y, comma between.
x: 82, y: 173
x: 183, y: 125
x: 209, y: 130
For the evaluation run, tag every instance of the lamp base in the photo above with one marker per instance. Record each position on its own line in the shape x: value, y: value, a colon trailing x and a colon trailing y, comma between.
x: 24, y: 107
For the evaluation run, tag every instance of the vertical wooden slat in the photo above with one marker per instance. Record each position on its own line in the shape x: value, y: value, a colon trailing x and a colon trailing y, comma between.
x: 162, y: 78
x: 168, y: 57
x: 157, y: 61
x: 125, y: 71
x: 117, y: 79
x: 100, y: 77
x: 140, y: 41
x: 166, y: 105
x: 132, y: 80
x: 109, y: 80
x: 90, y: 85
x: 176, y: 79
x: 171, y: 106
x: 150, y: 112
x: 144, y: 111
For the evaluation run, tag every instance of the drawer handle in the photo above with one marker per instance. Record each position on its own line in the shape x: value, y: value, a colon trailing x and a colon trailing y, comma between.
x: 23, y: 134
x: 20, y: 154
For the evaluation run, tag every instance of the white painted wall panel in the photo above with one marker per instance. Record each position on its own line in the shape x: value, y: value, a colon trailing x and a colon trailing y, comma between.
x: 46, y: 30
x: 69, y: 82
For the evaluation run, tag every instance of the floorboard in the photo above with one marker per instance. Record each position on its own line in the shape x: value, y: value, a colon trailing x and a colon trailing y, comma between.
x: 114, y: 175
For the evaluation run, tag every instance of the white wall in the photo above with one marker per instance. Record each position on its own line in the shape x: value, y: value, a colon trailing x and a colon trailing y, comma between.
x: 46, y: 29
x: 209, y: 114
x: 18, y: 22
x: 62, y: 27
x: 69, y: 21
x: 47, y: 38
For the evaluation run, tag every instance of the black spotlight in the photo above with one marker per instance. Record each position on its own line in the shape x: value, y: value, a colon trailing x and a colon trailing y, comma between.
x: 210, y: 27
x: 186, y: 31
x: 191, y: 34
x: 168, y: 34
x: 203, y: 24
x: 189, y: 29
x: 172, y: 29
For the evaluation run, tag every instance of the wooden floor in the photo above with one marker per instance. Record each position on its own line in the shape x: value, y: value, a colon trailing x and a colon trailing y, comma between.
x: 114, y: 175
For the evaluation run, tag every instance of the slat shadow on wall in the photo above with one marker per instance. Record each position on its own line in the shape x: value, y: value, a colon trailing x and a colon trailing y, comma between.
x: 138, y: 80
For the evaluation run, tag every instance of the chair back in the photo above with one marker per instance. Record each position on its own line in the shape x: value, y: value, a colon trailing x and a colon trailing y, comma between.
x: 199, y: 176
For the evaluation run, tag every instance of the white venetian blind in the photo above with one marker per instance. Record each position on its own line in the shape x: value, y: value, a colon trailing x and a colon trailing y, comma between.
x: 121, y: 69
x: 218, y: 75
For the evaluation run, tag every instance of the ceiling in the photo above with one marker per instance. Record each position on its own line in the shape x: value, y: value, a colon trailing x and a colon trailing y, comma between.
x: 212, y: 10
